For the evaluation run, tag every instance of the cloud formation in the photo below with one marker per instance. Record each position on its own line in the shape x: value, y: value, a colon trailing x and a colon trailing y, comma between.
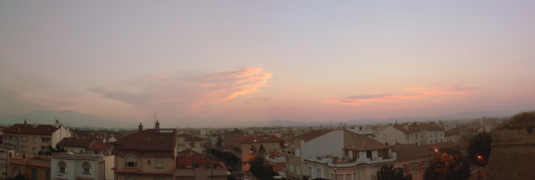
x: 416, y: 93
x: 179, y: 92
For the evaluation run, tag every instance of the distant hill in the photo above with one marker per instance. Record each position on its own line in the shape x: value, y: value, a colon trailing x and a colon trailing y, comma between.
x: 67, y: 117
x: 364, y: 121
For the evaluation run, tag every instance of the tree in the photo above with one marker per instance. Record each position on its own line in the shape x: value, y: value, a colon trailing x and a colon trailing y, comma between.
x: 259, y: 170
x: 232, y: 177
x: 479, y: 148
x: 388, y: 172
x: 448, y: 164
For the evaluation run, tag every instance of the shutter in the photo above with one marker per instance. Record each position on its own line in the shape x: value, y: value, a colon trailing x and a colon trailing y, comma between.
x: 419, y: 166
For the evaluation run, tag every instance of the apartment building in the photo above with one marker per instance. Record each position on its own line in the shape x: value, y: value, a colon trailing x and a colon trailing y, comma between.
x: 276, y: 161
x: 78, y: 145
x: 413, y: 159
x: 192, y: 165
x: 452, y: 135
x: 411, y: 133
x: 33, y: 167
x: 6, y: 153
x: 32, y: 138
x: 71, y: 165
x: 147, y: 154
x: 334, y: 153
x: 249, y: 146
x: 188, y: 141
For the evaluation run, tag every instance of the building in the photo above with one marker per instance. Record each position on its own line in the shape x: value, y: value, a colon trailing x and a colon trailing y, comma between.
x: 370, y: 133
x: 104, y: 148
x: 6, y: 153
x: 78, y: 145
x: 318, y: 153
x: 147, y: 154
x: 413, y: 159
x: 32, y: 138
x: 193, y: 166
x: 71, y: 165
x: 247, y: 147
x: 33, y: 167
x: 452, y: 135
x: 188, y: 141
x: 276, y: 161
x: 230, y: 136
x: 411, y: 133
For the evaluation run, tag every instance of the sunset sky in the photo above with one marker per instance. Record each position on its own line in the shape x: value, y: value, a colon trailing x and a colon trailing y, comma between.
x: 217, y: 62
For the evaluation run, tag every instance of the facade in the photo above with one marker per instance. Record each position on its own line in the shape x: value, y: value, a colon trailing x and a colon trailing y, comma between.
x: 5, y: 154
x: 147, y: 154
x: 370, y: 133
x: 230, y: 136
x: 318, y: 153
x: 32, y: 167
x: 247, y: 147
x: 452, y: 136
x: 191, y: 165
x: 188, y: 141
x: 32, y: 138
x: 411, y: 133
x: 78, y: 166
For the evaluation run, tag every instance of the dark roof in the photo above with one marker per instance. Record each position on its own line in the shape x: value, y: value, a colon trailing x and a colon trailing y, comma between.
x: 76, y: 142
x: 259, y: 139
x: 448, y: 144
x: 417, y: 127
x: 451, y: 132
x: 31, y: 129
x: 409, y: 152
x: 189, y: 137
x: 148, y: 140
x: 313, y: 134
x: 100, y: 146
x: 366, y: 144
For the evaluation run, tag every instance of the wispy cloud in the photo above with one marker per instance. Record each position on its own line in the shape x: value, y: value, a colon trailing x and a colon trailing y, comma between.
x: 416, y: 93
x: 180, y: 92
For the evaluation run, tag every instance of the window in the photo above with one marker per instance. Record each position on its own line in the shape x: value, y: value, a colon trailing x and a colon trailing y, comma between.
x: 4, y: 171
x: 34, y: 174
x: 14, y: 138
x: 45, y: 140
x: 16, y: 171
x: 23, y: 138
x: 159, y: 162
x: 310, y: 173
x: 424, y: 165
x: 47, y: 175
x: 318, y: 173
x: 297, y: 152
x: 414, y: 167
x: 407, y: 137
x: 34, y: 139
x: 62, y: 166
x: 86, y: 166
x: 298, y: 170
x: 131, y: 161
x: 8, y: 138
x: 23, y: 149
x: 417, y: 143
x: 291, y: 168
x: 33, y: 150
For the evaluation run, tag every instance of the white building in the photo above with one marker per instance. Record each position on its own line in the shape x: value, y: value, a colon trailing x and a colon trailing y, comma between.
x: 81, y: 166
x: 411, y: 133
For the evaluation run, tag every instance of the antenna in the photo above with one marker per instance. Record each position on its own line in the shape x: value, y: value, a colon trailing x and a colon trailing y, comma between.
x: 154, y: 116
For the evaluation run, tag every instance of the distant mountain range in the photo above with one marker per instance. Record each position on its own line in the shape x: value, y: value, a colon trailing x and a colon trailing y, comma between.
x: 67, y: 118
x: 365, y: 121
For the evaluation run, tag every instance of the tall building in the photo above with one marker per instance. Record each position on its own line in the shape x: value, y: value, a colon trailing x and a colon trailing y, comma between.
x: 29, y: 139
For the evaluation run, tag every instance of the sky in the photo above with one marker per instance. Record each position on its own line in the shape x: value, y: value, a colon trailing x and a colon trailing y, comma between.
x: 224, y: 62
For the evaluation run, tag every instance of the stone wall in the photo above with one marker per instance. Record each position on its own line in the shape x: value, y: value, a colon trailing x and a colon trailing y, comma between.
x: 512, y: 155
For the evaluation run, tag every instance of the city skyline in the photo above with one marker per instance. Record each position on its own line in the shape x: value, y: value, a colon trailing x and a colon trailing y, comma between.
x: 261, y: 61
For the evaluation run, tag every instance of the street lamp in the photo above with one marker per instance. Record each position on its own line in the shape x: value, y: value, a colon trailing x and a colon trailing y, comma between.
x: 436, y: 151
x: 2, y: 151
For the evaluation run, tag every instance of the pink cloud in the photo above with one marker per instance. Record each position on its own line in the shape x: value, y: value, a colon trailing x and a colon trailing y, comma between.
x: 176, y: 92
x: 416, y: 93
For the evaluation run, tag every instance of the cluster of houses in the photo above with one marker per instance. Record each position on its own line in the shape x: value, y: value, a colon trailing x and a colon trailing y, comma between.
x: 53, y: 152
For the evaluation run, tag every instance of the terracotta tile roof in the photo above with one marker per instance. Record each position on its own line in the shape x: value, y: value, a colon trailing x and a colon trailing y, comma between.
x: 148, y: 140
x: 409, y: 152
x: 76, y: 142
x: 313, y: 134
x: 189, y: 137
x: 31, y: 129
x: 259, y: 139
x: 448, y: 144
x: 451, y: 132
x: 366, y: 144
x: 416, y: 128
x: 100, y: 146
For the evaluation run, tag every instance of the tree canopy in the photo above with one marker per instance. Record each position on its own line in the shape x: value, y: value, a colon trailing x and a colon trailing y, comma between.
x: 448, y: 164
x: 479, y: 148
x: 388, y: 172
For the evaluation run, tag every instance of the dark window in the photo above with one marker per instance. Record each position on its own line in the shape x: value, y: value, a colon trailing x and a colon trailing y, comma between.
x: 62, y: 166
x: 368, y: 154
x: 86, y: 167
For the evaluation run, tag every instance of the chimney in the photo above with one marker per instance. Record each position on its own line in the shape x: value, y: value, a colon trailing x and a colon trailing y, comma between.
x: 26, y: 124
x: 57, y: 123
x: 157, y: 126
x: 140, y: 127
